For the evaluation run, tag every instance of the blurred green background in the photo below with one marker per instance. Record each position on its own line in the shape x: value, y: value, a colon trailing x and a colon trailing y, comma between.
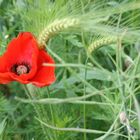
x: 90, y: 91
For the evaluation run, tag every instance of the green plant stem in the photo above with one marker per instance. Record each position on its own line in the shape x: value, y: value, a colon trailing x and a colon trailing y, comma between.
x: 29, y: 95
x: 84, y: 106
x: 52, y: 112
x: 79, y: 129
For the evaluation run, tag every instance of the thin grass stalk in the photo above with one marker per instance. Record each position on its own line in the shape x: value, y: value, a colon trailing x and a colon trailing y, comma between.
x: 81, y: 130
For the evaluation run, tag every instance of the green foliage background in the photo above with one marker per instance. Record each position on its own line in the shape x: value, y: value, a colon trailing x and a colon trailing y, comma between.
x: 91, y: 90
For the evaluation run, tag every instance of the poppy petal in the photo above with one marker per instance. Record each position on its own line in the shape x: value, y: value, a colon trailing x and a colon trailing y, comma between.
x: 5, y: 78
x: 23, y: 49
x: 45, y: 74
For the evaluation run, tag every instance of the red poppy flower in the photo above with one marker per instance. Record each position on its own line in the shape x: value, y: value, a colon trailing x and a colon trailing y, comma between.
x: 23, y: 62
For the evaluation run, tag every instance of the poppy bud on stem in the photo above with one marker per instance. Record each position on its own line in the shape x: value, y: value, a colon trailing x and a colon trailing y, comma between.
x: 123, y: 118
x: 54, y: 28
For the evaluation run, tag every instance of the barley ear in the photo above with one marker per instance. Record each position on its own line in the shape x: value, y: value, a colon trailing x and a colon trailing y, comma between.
x: 54, y: 28
x: 100, y: 42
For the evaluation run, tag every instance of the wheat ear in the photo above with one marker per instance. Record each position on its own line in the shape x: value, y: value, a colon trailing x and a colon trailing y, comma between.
x: 54, y: 28
x: 100, y: 42
x: 108, y: 40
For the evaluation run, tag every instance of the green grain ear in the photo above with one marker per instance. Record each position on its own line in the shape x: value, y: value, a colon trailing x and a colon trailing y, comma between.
x: 100, y: 42
x: 54, y: 28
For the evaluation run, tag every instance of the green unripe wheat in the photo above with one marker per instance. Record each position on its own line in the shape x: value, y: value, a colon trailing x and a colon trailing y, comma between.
x: 54, y: 28
x: 100, y: 42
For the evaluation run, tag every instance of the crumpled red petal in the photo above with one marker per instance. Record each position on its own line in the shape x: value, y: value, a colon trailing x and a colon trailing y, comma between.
x: 5, y: 78
x: 23, y: 49
x: 45, y: 74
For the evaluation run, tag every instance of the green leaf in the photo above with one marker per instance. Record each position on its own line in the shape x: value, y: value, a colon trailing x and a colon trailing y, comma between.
x: 91, y: 74
x: 2, y: 126
x: 1, y: 2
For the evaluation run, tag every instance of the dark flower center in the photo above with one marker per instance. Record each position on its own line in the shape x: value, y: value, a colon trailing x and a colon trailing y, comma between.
x: 19, y: 69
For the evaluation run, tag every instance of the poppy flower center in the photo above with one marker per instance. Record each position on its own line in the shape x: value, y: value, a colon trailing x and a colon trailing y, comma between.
x: 20, y: 69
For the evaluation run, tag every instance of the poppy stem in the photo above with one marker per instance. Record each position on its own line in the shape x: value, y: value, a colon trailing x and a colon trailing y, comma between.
x: 54, y: 28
